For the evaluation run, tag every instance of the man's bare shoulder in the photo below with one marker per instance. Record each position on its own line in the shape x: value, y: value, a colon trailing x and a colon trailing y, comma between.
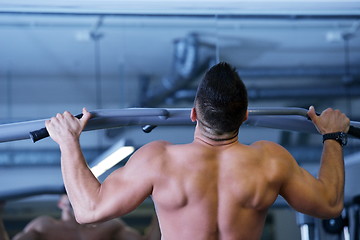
x: 265, y: 143
x: 157, y: 144
x: 275, y: 153
x: 269, y: 146
x: 153, y: 148
x: 150, y: 152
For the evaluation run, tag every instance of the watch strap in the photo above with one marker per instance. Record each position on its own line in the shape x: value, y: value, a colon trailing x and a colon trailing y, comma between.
x: 340, y: 137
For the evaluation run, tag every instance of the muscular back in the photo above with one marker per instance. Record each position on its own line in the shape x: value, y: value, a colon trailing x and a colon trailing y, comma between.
x: 221, y: 192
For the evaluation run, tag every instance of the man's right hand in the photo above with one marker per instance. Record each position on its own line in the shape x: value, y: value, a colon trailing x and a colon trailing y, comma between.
x: 65, y: 128
x: 329, y: 121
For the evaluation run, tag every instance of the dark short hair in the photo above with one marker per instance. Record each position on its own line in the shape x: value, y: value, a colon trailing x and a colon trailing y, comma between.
x: 221, y: 99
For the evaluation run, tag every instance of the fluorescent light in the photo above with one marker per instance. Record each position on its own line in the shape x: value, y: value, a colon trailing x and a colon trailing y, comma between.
x: 110, y: 158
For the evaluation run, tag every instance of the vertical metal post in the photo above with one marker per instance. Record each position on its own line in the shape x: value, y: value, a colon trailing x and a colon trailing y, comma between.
x: 306, y: 224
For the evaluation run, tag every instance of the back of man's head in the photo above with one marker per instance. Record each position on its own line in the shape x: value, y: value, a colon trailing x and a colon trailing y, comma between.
x: 221, y: 100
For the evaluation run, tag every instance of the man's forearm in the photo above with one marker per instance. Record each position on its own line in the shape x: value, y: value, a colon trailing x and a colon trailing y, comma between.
x: 332, y: 174
x: 81, y: 185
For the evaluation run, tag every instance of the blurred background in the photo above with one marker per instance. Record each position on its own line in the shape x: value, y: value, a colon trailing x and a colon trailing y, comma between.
x: 65, y: 55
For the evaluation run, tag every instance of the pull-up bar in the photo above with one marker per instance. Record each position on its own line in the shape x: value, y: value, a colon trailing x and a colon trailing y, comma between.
x: 284, y: 118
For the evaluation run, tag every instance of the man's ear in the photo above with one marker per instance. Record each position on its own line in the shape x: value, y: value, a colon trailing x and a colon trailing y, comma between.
x: 193, y: 115
x: 246, y: 115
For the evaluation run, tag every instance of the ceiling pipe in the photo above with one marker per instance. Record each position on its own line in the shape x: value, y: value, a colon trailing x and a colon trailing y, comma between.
x: 298, y: 72
x: 254, y: 93
x: 187, y: 66
x: 341, y: 15
x: 303, y: 92
x: 172, y: 88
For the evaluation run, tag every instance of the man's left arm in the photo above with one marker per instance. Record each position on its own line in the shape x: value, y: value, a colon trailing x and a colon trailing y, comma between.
x: 92, y: 202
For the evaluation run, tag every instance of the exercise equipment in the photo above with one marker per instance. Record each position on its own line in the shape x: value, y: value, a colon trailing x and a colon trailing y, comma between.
x: 307, y: 226
x: 292, y: 119
x: 21, y: 193
x: 334, y: 225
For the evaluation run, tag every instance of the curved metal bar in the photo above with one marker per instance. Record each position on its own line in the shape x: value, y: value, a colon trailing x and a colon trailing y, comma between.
x: 274, y: 111
x: 292, y: 119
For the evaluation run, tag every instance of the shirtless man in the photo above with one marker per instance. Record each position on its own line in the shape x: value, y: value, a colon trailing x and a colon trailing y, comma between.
x: 212, y: 188
x: 48, y: 228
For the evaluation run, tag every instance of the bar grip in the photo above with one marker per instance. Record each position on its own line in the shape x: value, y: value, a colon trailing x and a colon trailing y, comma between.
x: 354, y: 131
x: 43, y: 133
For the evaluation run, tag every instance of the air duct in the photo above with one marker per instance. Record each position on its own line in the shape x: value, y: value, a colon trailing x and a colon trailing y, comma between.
x: 187, y: 65
x: 254, y: 93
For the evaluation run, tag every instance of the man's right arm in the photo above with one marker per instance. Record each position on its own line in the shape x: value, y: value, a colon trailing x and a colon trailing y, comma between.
x: 322, y: 196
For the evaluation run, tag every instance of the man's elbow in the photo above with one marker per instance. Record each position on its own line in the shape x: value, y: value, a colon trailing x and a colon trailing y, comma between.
x: 88, y: 212
x: 84, y: 217
x: 90, y: 216
x: 333, y: 211
x: 337, y: 210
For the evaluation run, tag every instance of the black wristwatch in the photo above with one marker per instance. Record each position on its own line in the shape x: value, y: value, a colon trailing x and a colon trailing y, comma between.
x: 340, y: 137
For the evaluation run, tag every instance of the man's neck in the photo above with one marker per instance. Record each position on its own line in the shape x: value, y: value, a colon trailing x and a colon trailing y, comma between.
x: 206, y: 136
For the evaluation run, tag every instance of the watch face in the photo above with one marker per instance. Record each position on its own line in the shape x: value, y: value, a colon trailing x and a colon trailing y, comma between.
x: 343, y: 137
